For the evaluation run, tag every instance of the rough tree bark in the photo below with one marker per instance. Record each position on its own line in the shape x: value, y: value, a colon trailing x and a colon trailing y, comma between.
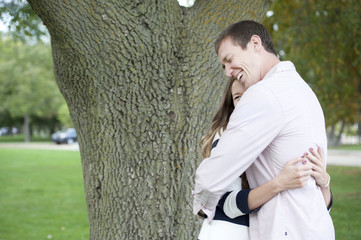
x: 142, y: 81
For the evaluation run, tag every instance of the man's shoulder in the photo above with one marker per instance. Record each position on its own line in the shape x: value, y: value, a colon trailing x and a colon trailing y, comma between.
x: 260, y: 89
x: 282, y: 69
x: 260, y: 96
x: 283, y: 76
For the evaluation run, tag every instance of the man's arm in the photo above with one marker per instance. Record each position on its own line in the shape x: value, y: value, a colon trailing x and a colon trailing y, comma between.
x: 254, y: 124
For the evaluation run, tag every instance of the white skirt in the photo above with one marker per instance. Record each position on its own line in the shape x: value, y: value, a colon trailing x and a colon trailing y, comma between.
x: 221, y: 230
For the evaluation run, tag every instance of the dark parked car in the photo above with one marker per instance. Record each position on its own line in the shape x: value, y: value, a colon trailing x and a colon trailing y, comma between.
x: 64, y: 136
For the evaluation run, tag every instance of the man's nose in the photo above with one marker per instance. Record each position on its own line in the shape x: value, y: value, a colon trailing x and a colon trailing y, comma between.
x: 229, y: 71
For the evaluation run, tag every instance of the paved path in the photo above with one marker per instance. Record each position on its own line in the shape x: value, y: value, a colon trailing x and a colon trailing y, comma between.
x: 335, y: 157
x: 344, y: 158
x: 50, y: 146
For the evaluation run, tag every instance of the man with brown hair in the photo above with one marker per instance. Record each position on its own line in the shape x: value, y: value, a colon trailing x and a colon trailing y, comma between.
x: 278, y: 116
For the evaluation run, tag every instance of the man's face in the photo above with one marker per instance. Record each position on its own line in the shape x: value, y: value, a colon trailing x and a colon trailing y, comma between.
x: 238, y: 63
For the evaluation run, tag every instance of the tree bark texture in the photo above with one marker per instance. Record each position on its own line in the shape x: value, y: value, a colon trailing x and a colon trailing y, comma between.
x: 142, y: 82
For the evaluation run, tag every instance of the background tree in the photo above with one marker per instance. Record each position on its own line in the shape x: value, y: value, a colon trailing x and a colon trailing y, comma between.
x: 322, y: 38
x: 64, y: 116
x: 141, y: 80
x: 27, y: 86
x: 23, y: 23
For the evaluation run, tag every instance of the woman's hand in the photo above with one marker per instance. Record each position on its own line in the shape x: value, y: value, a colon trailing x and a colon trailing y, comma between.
x: 318, y: 168
x: 294, y: 176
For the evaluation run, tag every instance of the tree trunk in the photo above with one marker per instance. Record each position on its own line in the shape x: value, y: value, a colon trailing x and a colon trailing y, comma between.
x: 27, y: 133
x: 142, y: 81
x: 359, y: 132
x: 333, y: 138
x: 338, y: 139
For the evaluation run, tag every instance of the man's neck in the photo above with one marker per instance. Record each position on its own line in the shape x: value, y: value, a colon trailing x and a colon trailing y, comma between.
x: 270, y: 60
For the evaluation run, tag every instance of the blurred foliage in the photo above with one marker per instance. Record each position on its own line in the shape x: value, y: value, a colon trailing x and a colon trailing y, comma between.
x: 27, y: 83
x: 23, y: 23
x: 322, y: 38
x: 27, y: 80
x: 64, y: 116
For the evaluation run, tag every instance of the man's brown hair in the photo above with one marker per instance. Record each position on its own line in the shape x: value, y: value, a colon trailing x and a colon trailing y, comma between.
x: 241, y: 32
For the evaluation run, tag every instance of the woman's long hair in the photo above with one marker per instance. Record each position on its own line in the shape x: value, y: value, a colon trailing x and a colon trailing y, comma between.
x: 220, y: 119
x: 219, y: 123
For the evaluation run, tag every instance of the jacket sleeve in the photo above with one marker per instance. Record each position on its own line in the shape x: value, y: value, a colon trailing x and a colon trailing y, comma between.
x: 235, y: 203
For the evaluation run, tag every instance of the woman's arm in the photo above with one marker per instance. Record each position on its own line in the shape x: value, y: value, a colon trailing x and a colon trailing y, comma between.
x: 291, y: 177
x: 245, y: 201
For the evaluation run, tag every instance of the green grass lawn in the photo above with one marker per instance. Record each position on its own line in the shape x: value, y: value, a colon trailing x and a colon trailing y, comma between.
x: 346, y: 211
x: 349, y: 147
x: 21, y: 138
x: 41, y: 195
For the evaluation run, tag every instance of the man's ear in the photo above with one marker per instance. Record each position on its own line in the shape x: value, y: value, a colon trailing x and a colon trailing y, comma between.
x: 256, y: 42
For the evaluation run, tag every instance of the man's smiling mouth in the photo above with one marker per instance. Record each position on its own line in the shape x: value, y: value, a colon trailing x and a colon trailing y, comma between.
x: 239, y: 76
